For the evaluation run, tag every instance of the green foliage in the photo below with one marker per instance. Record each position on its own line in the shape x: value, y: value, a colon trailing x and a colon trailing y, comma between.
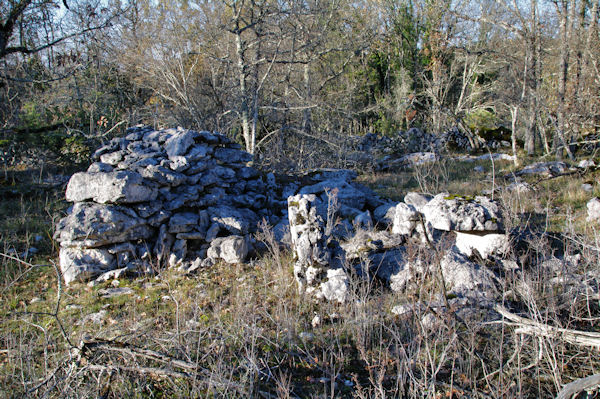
x: 487, y: 124
x: 482, y: 120
x: 458, y: 197
x: 75, y: 148
x: 386, y: 124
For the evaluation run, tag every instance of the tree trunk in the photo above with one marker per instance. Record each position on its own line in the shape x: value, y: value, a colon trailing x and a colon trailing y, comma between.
x: 514, y: 112
x: 242, y: 76
x: 560, y: 139
x: 530, y: 79
x: 306, y: 115
x: 529, y: 90
x: 559, y: 142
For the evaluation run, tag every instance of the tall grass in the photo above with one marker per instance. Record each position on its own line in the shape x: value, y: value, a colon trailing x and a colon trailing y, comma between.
x: 245, y: 330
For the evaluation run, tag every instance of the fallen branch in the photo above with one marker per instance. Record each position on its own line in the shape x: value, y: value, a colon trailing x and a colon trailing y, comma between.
x: 582, y: 384
x: 157, y: 372
x: 579, y: 172
x: 531, y: 327
x: 114, y: 346
x: 89, y: 347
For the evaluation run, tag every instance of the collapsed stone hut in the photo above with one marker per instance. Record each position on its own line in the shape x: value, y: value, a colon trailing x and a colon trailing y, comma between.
x: 185, y: 199
x: 180, y: 198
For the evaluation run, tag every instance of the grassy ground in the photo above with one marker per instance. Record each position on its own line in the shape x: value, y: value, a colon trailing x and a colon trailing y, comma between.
x: 245, y: 331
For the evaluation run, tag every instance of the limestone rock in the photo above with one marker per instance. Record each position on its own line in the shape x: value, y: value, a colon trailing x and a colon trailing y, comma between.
x: 183, y: 222
x: 363, y: 220
x: 386, y: 264
x: 318, y: 258
x: 325, y: 174
x: 497, y: 156
x: 162, y: 175
x: 113, y: 187
x: 417, y: 200
x: 116, y: 291
x: 307, y: 229
x: 337, y: 191
x: 77, y: 264
x: 418, y: 158
x: 178, y: 253
x: 335, y: 286
x: 236, y: 221
x: 93, y: 225
x: 586, y: 163
x: 180, y: 142
x: 467, y: 279
x: 593, y: 209
x: 407, y: 273
x: 485, y: 244
x: 553, y: 168
x: 450, y: 213
x: 97, y: 167
x: 384, y: 214
x: 230, y: 155
x: 163, y: 244
x: 232, y: 249
x: 112, y: 158
x: 406, y: 219
x: 519, y: 187
x: 365, y: 242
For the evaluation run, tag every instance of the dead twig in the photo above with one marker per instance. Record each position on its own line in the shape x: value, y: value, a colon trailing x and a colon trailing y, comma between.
x: 531, y: 327
x: 582, y: 384
x: 88, y: 348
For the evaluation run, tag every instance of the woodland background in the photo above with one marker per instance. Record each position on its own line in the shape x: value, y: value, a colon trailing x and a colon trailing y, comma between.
x: 288, y: 79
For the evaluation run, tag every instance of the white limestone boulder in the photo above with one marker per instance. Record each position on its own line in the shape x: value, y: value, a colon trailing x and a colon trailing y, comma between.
x: 485, y: 244
x: 112, y: 187
x: 82, y: 264
x: 232, y: 249
x: 455, y: 213
x: 466, y: 279
x: 406, y: 219
x: 593, y: 209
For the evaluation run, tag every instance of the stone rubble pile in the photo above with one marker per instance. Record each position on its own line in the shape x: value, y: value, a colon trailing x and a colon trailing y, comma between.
x: 415, y: 147
x: 415, y: 140
x: 181, y: 198
x: 466, y: 226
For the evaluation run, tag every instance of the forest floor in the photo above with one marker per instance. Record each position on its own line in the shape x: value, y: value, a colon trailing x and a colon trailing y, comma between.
x: 245, y: 331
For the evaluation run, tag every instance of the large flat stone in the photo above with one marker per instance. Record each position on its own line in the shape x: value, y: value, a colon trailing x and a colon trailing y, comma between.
x: 93, y: 225
x: 112, y: 187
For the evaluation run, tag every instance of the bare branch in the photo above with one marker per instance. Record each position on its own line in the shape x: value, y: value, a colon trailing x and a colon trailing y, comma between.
x: 531, y: 327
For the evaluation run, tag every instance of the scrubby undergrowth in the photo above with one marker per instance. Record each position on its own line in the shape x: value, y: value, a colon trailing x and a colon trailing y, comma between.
x: 245, y: 331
